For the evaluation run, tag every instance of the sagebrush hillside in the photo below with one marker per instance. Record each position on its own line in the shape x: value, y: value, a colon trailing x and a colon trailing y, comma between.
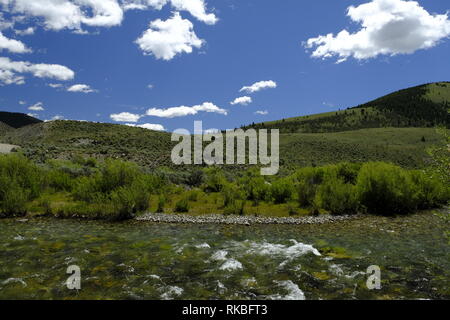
x: 397, y: 128
x: 423, y: 106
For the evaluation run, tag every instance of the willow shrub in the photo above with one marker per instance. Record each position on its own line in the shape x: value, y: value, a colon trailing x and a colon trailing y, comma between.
x: 337, y: 197
x: 120, y: 187
x: 20, y: 182
x: 307, y: 182
x: 387, y: 189
x: 281, y: 190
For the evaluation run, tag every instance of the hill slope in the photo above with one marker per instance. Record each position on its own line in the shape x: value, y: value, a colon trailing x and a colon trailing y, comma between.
x: 4, y: 128
x: 17, y: 120
x: 422, y: 106
x: 381, y: 130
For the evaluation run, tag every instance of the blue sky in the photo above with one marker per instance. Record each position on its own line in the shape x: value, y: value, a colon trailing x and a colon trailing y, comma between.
x: 244, y: 42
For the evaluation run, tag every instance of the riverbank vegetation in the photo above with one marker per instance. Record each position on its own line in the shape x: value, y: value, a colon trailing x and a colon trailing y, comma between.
x: 118, y: 190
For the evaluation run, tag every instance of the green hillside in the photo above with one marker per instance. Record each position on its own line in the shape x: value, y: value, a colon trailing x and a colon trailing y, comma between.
x: 17, y: 120
x: 421, y: 107
x: 397, y: 128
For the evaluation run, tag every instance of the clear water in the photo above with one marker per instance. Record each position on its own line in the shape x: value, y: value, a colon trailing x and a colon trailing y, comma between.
x: 138, y: 260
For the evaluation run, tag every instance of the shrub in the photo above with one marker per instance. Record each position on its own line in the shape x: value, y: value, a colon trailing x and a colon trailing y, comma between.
x: 308, y: 180
x: 182, y: 206
x: 337, y: 197
x: 14, y: 199
x: 235, y: 208
x: 432, y: 191
x: 256, y: 189
x: 281, y: 190
x: 215, y: 180
x: 386, y: 189
x: 161, y: 204
x: 20, y: 182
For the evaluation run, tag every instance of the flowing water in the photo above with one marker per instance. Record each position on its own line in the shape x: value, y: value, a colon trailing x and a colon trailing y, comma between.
x: 138, y: 260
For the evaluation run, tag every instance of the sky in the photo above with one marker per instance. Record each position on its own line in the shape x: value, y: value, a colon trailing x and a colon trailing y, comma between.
x: 161, y: 64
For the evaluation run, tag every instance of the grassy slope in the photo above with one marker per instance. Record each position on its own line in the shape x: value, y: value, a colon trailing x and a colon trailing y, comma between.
x: 359, y: 134
x: 421, y: 106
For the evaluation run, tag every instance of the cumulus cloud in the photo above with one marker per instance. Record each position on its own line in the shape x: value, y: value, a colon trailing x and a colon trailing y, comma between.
x: 149, y: 126
x: 388, y: 27
x: 74, y: 14
x: 11, y: 72
x: 166, y: 39
x: 25, y: 32
x: 197, y: 8
x: 258, y: 86
x: 84, y: 88
x: 183, y: 111
x: 37, y: 107
x: 262, y: 113
x: 242, y: 101
x: 125, y: 117
x: 14, y: 46
x: 66, y: 14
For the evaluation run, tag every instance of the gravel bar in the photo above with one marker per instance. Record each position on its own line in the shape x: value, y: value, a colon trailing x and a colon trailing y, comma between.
x: 239, y: 220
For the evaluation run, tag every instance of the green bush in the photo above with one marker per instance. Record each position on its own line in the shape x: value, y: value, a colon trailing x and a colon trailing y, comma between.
x: 161, y: 204
x: 14, y: 199
x: 337, y: 197
x: 387, y: 189
x: 432, y: 191
x: 215, y: 180
x: 256, y: 189
x: 281, y: 190
x: 20, y: 182
x: 182, y: 206
x: 235, y: 208
x: 307, y: 182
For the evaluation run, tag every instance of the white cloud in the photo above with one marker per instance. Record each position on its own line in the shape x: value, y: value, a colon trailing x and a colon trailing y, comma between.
x: 125, y: 117
x: 242, y: 101
x: 262, y: 113
x: 34, y: 115
x: 84, y: 88
x: 388, y: 27
x: 65, y: 14
x: 11, y: 71
x: 57, y: 117
x: 26, y: 32
x: 150, y: 86
x: 21, y: 102
x: 12, y: 45
x: 37, y: 107
x: 166, y: 39
x: 196, y: 8
x: 74, y: 14
x: 149, y: 126
x: 55, y: 85
x: 183, y: 111
x: 258, y: 86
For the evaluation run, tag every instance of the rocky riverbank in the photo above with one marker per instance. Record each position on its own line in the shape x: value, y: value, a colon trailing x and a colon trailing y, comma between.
x: 239, y: 220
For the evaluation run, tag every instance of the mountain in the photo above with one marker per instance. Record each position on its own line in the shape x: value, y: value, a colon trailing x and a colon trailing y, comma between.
x: 17, y: 120
x: 423, y: 106
x: 396, y: 128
